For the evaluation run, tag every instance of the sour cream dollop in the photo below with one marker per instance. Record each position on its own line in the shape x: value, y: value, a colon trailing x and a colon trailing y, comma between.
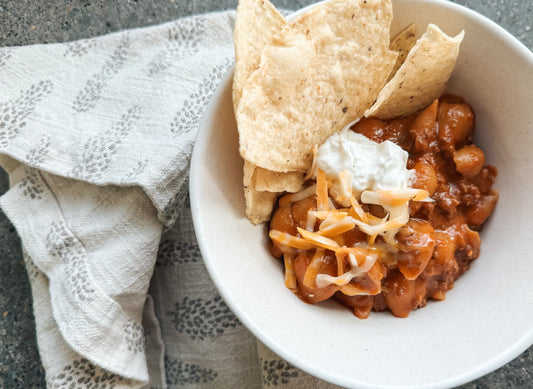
x: 373, y: 166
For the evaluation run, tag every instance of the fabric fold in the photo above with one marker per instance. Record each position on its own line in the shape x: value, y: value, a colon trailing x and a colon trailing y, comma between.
x: 121, y: 109
x: 96, y: 136
x: 65, y: 368
x: 98, y: 280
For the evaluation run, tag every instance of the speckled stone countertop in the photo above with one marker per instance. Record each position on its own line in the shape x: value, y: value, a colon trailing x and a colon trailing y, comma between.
x: 24, y: 22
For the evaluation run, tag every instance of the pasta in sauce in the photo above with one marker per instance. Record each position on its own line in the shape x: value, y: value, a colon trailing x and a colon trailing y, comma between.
x: 428, y: 253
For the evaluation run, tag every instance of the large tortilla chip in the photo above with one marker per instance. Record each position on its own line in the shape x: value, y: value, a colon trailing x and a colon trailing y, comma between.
x: 266, y: 180
x: 256, y: 23
x: 422, y: 78
x: 259, y: 204
x: 402, y: 44
x: 320, y: 73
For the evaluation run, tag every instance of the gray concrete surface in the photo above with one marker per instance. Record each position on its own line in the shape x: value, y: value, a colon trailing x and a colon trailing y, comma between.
x: 24, y: 22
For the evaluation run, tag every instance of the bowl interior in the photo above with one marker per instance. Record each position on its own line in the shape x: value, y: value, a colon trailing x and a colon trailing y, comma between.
x: 485, y: 320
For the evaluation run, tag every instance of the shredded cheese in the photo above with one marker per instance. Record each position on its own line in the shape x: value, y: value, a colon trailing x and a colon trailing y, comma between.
x: 311, y: 221
x: 322, y: 198
x: 331, y: 219
x: 313, y: 268
x: 324, y: 214
x: 358, y: 210
x: 340, y: 227
x: 352, y: 262
x: 394, y: 198
x: 323, y: 280
x: 289, y: 240
x: 318, y: 240
x: 290, y: 278
x: 312, y: 171
x: 294, y: 197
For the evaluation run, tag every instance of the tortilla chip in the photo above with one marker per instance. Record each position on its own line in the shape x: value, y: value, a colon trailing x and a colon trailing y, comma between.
x: 422, y: 78
x: 248, y: 170
x: 259, y: 204
x: 262, y: 188
x: 266, y: 180
x: 256, y: 23
x: 402, y: 44
x: 320, y: 73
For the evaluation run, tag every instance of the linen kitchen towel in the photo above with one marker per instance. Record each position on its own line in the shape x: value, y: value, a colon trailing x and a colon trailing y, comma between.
x: 96, y: 137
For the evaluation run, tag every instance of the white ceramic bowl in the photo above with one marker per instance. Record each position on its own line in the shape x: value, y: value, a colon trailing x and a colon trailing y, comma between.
x: 485, y: 321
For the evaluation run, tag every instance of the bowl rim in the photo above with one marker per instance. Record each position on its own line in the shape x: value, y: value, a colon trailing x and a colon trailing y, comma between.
x: 496, y: 362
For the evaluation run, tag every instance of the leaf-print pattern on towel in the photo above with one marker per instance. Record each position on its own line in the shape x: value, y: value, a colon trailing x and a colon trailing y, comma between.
x: 184, y: 374
x: 79, y: 48
x: 183, y: 39
x: 173, y: 252
x: 5, y: 54
x: 31, y: 184
x: 170, y: 212
x: 37, y: 154
x: 136, y: 172
x: 13, y: 113
x: 202, y: 318
x: 82, y: 374
x: 61, y: 244
x: 189, y: 115
x: 134, y: 335
x: 33, y: 271
x: 276, y: 371
x: 91, y: 93
x: 99, y: 150
x: 185, y: 126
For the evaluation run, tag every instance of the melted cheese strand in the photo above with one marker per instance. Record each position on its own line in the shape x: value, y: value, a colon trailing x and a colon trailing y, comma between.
x: 401, y: 214
x: 290, y: 278
x: 317, y: 240
x: 337, y: 228
x: 323, y: 280
x: 332, y: 218
x: 394, y: 198
x: 311, y: 221
x: 322, y: 203
x: 325, y: 214
x: 358, y: 210
x: 378, y: 228
x: 313, y: 268
x: 312, y: 171
x: 289, y: 240
x: 294, y: 197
